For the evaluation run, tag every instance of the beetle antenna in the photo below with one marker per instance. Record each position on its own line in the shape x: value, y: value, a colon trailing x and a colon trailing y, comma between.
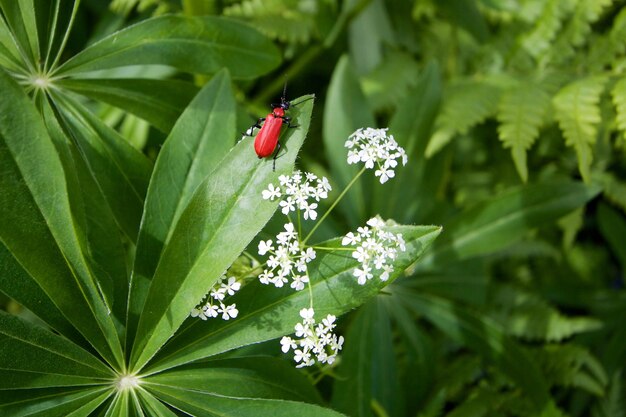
x: 284, y: 97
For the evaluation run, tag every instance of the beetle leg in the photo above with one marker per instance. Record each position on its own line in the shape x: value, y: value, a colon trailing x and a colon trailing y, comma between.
x: 278, y: 146
x: 250, y: 131
x: 287, y: 121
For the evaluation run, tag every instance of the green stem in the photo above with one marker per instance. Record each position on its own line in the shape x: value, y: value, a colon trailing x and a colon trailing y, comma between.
x: 356, y: 177
x: 305, y: 60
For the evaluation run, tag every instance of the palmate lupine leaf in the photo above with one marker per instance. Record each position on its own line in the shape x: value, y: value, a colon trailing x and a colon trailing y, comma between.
x: 37, y: 226
x: 521, y: 113
x: 192, y: 150
x: 577, y: 111
x: 469, y: 103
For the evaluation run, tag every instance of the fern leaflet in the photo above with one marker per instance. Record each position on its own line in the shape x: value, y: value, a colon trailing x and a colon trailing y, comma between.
x: 578, y: 114
x: 289, y: 21
x: 469, y: 104
x: 520, y: 114
x: 619, y: 100
x: 572, y: 366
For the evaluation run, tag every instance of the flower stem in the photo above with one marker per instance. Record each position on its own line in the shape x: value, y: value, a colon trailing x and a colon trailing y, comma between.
x: 350, y: 184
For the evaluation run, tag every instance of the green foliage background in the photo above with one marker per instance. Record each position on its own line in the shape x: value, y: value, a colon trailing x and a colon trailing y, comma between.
x: 513, y: 113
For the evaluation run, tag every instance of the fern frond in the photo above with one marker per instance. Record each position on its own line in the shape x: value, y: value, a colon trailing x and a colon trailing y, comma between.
x: 619, y: 100
x: 289, y: 21
x: 605, y: 50
x: 577, y: 29
x: 613, y: 404
x: 529, y: 317
x: 571, y: 366
x: 539, y: 39
x: 468, y: 104
x: 521, y: 113
x: 614, y: 190
x: 577, y: 111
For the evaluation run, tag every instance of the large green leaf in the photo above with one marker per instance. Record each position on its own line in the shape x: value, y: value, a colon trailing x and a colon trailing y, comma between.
x: 36, y: 224
x: 104, y: 246
x: 345, y: 111
x: 502, y: 220
x: 160, y: 102
x: 252, y: 377
x: 367, y: 371
x: 200, y: 139
x: 485, y: 337
x: 20, y: 16
x: 220, y: 220
x: 267, y: 313
x: 52, y: 402
x: 20, y: 286
x: 194, y: 44
x: 121, y: 171
x: 205, y: 403
x: 10, y: 56
x: 411, y: 190
x: 58, y: 363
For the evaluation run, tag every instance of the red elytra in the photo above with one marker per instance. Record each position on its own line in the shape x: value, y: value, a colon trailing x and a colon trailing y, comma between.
x: 266, y: 140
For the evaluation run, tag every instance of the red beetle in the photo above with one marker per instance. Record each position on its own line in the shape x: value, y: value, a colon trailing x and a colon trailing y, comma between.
x: 266, y: 142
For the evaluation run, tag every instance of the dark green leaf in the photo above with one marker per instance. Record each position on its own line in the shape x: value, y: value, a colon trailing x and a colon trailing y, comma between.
x: 121, y: 171
x: 194, y: 44
x: 160, y: 102
x: 102, y: 237
x: 345, y: 111
x: 59, y: 362
x: 36, y: 224
x: 200, y: 139
x: 253, y: 377
x: 411, y: 191
x: 20, y: 16
x: 485, y: 337
x: 496, y: 223
x: 202, y: 403
x: 52, y: 402
x: 367, y: 371
x: 20, y: 286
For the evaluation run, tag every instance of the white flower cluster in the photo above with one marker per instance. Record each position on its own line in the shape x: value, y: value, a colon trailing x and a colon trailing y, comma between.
x: 374, y: 248
x: 314, y: 341
x: 287, y: 260
x: 214, y: 305
x: 297, y: 190
x: 374, y: 147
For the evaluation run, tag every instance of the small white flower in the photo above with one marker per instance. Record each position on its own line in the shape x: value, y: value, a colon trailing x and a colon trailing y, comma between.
x: 375, y: 249
x: 271, y: 193
x: 213, y: 305
x: 374, y: 147
x: 265, y: 246
x: 313, y: 342
x: 309, y: 211
x: 297, y: 191
x: 286, y: 261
